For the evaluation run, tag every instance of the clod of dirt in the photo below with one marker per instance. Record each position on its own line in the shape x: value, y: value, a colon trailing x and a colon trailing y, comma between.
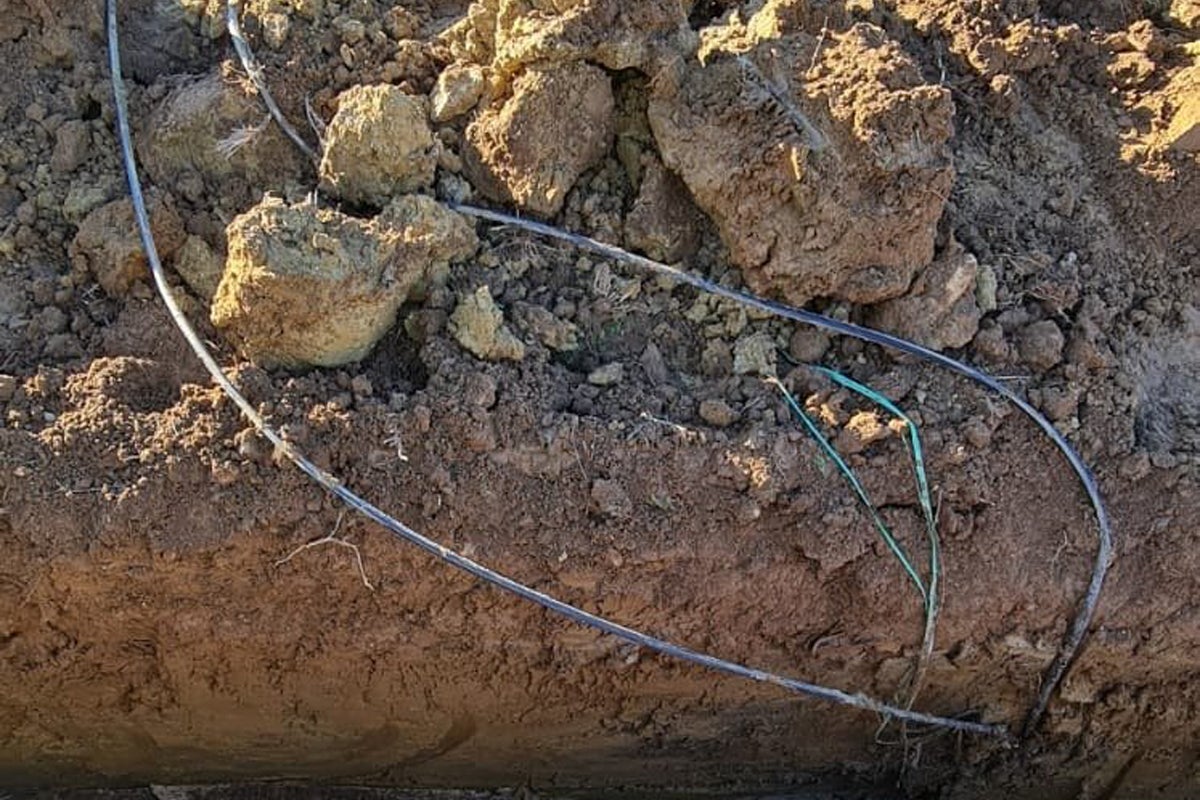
x: 378, y: 145
x: 1041, y: 345
x: 607, y: 375
x: 108, y: 247
x: 456, y: 92
x: 663, y: 223
x: 478, y: 325
x: 717, y: 412
x: 72, y: 143
x: 808, y: 345
x: 552, y: 331
x: 610, y: 499
x: 823, y: 181
x: 199, y: 267
x: 215, y: 129
x: 1185, y: 13
x: 1183, y: 133
x: 940, y: 309
x: 530, y: 148
x: 754, y: 355
x: 862, y: 430
x: 310, y: 286
x: 617, y: 35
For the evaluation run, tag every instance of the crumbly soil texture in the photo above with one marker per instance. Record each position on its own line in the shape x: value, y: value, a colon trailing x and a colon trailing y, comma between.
x: 1015, y: 183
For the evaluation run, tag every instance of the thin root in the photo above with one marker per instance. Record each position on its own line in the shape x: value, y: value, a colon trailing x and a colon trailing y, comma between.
x: 331, y: 538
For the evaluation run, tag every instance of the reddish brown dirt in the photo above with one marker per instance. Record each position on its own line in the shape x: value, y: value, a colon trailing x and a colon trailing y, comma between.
x: 148, y: 633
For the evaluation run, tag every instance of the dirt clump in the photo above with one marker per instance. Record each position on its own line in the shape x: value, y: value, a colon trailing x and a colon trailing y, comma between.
x: 526, y: 150
x: 616, y: 35
x: 602, y: 436
x: 378, y: 145
x: 478, y: 325
x: 456, y: 92
x: 108, y: 247
x: 311, y: 286
x: 823, y: 161
x: 940, y: 309
x: 663, y: 222
x: 212, y: 136
x: 200, y: 267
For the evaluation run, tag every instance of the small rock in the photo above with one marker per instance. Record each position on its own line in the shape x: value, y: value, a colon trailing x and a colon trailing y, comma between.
x: 480, y: 390
x: 716, y: 359
x: 939, y: 310
x: 863, y: 429
x: 654, y: 365
x: 986, y: 286
x: 71, y: 145
x: 808, y: 345
x: 557, y: 334
x: 82, y: 199
x: 401, y: 23
x: 607, y: 375
x: 478, y: 325
x: 108, y: 246
x: 718, y: 413
x: 456, y: 92
x: 62, y: 346
x: 8, y: 387
x: 275, y: 28
x: 754, y: 355
x: 663, y: 223
x: 1060, y: 403
x: 1041, y: 345
x: 610, y: 499
x: 991, y: 344
x: 199, y: 267
x: 378, y: 145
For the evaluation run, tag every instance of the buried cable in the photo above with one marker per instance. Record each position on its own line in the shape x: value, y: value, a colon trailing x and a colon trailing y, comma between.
x: 402, y: 531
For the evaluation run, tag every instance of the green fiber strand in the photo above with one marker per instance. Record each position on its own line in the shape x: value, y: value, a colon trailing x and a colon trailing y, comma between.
x: 918, y: 456
x: 855, y: 484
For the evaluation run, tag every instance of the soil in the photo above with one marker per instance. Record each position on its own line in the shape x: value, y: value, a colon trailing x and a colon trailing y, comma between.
x: 1017, y: 180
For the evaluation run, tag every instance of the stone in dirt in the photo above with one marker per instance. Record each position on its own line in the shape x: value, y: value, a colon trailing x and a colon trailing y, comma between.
x: 663, y: 223
x: 825, y: 180
x: 478, y: 325
x: 530, y: 148
x: 940, y: 309
x: 305, y: 285
x: 555, y: 333
x: 717, y: 412
x: 754, y: 355
x: 199, y: 267
x: 1041, y: 345
x: 378, y: 145
x: 458, y: 89
x: 108, y: 246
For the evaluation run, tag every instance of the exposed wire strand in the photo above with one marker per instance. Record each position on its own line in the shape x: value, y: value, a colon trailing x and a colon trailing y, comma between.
x: 402, y: 531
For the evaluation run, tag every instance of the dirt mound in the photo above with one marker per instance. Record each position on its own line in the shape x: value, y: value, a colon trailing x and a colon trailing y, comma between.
x: 934, y: 166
